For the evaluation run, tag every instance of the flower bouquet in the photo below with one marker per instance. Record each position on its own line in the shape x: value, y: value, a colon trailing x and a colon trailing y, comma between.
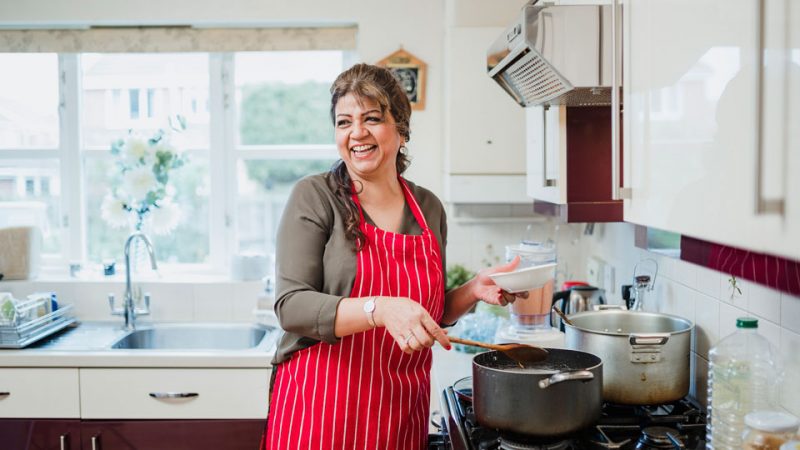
x: 141, y: 194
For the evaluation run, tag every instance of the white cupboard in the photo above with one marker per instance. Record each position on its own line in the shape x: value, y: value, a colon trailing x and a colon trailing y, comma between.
x: 701, y: 140
x: 484, y: 127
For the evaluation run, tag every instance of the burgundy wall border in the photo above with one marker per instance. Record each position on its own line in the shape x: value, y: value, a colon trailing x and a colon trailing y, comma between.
x: 768, y: 270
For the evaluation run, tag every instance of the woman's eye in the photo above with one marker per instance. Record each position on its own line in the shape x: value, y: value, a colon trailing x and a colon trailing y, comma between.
x: 342, y: 123
x: 373, y: 119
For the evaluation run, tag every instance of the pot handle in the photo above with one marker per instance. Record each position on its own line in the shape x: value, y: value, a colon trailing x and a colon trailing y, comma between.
x: 649, y: 339
x: 582, y: 375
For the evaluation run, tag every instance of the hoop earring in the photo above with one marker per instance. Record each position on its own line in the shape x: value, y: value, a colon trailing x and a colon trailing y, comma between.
x: 403, y: 149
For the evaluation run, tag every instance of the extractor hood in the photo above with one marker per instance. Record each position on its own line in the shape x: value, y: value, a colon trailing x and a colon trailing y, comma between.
x: 556, y: 55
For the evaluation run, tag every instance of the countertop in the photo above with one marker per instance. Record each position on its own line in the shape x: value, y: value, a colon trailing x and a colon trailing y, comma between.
x: 88, y: 345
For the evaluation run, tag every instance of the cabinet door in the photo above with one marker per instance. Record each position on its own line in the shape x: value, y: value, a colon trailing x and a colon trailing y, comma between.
x: 485, y: 127
x: 697, y: 125
x: 38, y: 434
x: 172, y: 434
x: 546, y: 153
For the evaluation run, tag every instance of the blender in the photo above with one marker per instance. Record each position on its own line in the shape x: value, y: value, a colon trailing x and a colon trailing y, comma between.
x: 529, y: 318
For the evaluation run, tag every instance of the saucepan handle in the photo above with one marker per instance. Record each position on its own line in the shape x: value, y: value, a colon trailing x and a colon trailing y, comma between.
x: 649, y: 339
x: 578, y: 375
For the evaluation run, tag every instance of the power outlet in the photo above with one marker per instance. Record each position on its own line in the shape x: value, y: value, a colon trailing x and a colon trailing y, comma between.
x: 594, y: 272
x: 608, y: 278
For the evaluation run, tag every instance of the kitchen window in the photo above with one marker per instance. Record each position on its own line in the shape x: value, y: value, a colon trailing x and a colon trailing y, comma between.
x: 257, y: 121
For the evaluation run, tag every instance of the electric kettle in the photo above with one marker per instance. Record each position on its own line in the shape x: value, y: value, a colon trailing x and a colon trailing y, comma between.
x: 575, y: 299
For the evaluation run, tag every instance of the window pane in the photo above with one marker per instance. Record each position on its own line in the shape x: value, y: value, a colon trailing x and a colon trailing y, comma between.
x: 28, y: 100
x: 141, y: 92
x: 284, y: 97
x: 188, y: 243
x: 264, y: 187
x: 30, y: 196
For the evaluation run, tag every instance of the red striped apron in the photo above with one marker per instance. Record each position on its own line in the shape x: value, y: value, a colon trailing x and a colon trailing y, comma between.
x: 364, y: 392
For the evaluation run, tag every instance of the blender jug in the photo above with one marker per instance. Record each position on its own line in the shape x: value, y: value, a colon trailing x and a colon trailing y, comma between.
x: 532, y: 312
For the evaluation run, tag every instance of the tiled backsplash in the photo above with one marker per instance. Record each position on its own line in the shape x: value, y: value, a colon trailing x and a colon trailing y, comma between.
x: 172, y: 302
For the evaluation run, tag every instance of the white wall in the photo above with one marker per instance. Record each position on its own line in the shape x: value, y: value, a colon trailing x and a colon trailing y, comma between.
x: 705, y: 297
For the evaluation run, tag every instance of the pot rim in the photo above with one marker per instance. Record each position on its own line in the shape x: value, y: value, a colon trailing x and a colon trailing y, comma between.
x: 545, y: 374
x: 688, y: 329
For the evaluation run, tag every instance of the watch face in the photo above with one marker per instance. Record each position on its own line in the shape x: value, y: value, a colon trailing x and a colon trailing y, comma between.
x: 369, y: 306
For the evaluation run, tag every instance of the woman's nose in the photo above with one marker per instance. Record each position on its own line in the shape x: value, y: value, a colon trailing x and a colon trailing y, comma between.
x: 358, y: 130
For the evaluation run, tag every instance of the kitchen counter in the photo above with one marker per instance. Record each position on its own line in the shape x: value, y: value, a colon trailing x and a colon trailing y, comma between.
x: 88, y: 345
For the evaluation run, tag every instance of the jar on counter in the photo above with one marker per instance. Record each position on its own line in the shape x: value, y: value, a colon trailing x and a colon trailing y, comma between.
x: 768, y: 430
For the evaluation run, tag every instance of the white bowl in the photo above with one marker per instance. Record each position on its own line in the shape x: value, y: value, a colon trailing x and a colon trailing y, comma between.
x: 525, y: 279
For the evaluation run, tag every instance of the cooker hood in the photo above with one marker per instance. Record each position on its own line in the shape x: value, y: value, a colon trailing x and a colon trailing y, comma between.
x: 556, y: 55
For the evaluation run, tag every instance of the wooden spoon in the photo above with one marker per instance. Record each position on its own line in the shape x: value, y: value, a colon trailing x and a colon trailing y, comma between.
x: 562, y: 315
x: 521, y: 353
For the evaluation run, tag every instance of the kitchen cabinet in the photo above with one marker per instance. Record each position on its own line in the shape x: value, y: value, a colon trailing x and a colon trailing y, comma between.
x: 569, y: 162
x: 174, y: 393
x: 711, y: 144
x: 484, y: 127
x: 172, y: 434
x: 39, y: 393
x: 40, y: 434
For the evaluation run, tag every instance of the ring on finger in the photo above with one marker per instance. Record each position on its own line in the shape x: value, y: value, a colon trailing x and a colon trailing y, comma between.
x: 409, y: 337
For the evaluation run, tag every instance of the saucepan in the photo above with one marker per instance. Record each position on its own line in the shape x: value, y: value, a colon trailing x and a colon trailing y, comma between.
x: 646, y: 354
x: 554, y: 397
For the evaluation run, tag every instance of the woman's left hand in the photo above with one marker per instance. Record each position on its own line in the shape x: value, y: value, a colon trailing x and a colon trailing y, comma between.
x: 485, y: 289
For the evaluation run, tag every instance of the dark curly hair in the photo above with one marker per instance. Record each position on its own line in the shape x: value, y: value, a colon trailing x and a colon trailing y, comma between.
x: 379, y: 85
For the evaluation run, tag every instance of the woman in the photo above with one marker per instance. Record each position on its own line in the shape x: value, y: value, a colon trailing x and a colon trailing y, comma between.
x: 361, y: 295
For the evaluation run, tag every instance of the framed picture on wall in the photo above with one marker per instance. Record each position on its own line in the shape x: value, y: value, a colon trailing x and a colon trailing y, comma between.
x: 410, y: 71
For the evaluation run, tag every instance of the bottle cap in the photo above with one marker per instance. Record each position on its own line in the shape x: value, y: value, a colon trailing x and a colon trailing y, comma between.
x: 772, y: 421
x: 746, y: 322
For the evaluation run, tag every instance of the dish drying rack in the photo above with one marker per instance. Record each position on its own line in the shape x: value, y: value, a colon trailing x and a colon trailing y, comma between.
x: 25, y: 329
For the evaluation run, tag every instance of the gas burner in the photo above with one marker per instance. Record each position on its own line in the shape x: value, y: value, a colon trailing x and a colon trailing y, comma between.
x: 519, y: 442
x: 659, y: 437
x: 514, y: 441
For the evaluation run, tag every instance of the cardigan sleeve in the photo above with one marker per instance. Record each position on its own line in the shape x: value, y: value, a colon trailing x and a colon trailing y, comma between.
x: 305, y: 228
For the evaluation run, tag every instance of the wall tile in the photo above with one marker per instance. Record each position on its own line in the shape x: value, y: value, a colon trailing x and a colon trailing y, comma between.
x: 764, y: 302
x: 686, y: 274
x: 706, y: 324
x: 790, y: 353
x: 699, y: 388
x: 733, y: 297
x: 170, y: 302
x: 91, y: 300
x: 709, y: 282
x: 213, y: 302
x: 790, y: 312
x: 244, y: 302
x: 771, y: 331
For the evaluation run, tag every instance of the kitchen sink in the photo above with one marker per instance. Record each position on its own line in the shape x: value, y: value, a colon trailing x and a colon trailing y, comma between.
x: 198, y: 336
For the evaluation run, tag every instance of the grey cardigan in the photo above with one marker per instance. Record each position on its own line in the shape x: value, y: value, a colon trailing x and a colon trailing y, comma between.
x: 316, y: 263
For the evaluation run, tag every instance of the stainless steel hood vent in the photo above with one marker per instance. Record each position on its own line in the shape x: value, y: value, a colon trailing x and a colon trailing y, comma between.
x: 555, y: 55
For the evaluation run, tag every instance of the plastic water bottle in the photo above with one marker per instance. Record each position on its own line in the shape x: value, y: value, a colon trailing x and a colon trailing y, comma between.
x: 743, y: 375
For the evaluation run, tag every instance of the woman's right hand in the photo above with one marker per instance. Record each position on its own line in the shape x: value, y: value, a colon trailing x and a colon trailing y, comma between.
x: 412, y: 328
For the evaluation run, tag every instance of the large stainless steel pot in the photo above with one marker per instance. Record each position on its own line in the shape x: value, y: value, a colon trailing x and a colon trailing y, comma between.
x: 646, y: 355
x: 557, y: 396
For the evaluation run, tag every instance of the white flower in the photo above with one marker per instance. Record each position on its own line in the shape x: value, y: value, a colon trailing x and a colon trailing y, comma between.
x: 138, y: 182
x: 164, y: 217
x: 113, y: 211
x: 136, y: 149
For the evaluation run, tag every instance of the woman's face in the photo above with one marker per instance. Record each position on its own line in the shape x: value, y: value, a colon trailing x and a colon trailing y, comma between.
x: 367, y: 139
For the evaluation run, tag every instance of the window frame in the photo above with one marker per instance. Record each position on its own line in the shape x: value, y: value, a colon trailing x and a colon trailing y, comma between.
x: 223, y: 154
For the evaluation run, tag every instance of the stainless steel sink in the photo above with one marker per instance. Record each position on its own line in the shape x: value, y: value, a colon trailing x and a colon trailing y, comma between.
x: 198, y: 336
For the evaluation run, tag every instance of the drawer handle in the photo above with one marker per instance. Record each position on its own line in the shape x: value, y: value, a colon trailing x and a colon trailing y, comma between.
x: 4, y: 394
x: 64, y: 441
x: 96, y: 442
x: 174, y: 394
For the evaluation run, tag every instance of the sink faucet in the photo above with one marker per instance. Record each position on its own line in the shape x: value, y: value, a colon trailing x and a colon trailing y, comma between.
x: 129, y: 309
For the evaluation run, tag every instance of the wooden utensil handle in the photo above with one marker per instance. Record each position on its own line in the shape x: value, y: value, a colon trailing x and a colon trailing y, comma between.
x: 459, y: 340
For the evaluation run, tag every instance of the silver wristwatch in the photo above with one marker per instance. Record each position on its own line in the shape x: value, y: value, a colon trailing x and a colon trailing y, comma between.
x: 369, y: 310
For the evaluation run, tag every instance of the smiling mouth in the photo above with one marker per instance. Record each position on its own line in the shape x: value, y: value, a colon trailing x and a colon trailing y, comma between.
x: 359, y: 149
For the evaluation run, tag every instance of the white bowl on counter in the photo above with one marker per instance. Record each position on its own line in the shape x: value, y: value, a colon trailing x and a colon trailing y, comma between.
x: 525, y: 279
